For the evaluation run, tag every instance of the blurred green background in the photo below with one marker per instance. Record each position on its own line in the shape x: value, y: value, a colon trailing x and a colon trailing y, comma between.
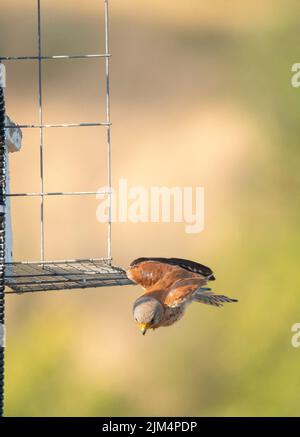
x: 201, y: 95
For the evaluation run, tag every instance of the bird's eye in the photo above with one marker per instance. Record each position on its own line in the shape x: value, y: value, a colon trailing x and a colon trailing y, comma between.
x: 152, y: 320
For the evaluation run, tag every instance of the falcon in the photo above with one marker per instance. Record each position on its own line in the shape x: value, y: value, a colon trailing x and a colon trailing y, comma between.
x: 170, y: 284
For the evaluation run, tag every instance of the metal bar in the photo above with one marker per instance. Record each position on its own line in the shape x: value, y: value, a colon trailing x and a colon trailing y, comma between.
x: 107, y: 282
x: 62, y: 261
x: 2, y: 245
x: 40, y: 96
x: 58, y: 193
x: 27, y: 58
x: 108, y: 133
x: 79, y: 281
x: 41, y: 126
x: 68, y: 276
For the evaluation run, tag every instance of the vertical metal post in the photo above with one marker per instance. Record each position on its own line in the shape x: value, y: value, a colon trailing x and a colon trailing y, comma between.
x: 2, y: 244
x: 40, y: 97
x: 108, y: 129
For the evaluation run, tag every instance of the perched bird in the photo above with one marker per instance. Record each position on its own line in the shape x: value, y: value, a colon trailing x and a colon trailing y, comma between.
x: 169, y: 284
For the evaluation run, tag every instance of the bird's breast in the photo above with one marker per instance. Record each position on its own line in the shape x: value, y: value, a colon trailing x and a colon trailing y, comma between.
x: 172, y: 315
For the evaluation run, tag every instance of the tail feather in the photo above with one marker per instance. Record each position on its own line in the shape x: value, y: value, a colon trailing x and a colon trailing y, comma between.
x: 212, y: 299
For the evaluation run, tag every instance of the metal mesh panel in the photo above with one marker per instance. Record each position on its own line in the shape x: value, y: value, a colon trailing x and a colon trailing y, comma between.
x: 41, y: 125
x: 23, y: 277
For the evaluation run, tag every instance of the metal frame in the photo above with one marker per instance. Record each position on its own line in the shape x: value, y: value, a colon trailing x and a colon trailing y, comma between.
x: 41, y: 126
x: 44, y: 275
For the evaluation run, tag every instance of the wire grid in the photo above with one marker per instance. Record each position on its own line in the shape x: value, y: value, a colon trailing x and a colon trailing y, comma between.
x: 44, y: 275
x: 41, y: 125
x: 25, y: 277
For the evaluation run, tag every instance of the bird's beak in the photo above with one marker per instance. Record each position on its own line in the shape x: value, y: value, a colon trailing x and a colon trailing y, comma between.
x: 143, y: 328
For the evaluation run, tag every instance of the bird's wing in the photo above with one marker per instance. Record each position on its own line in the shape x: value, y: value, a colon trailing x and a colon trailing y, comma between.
x: 149, y: 271
x: 185, y: 264
x: 212, y: 299
x: 183, y: 291
x: 155, y: 275
x: 190, y: 290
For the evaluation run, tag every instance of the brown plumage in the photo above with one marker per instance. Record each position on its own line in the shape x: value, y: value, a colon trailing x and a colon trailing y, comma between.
x: 169, y: 285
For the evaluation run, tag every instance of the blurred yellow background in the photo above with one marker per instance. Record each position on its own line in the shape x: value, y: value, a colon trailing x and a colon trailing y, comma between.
x: 201, y: 95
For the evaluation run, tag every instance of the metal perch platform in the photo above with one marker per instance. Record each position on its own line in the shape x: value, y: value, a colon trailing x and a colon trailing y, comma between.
x: 24, y: 277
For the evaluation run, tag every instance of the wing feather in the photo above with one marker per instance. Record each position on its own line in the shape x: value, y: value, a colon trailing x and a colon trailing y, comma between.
x: 185, y: 264
x: 183, y: 291
x: 209, y: 298
x: 154, y: 275
x: 192, y: 291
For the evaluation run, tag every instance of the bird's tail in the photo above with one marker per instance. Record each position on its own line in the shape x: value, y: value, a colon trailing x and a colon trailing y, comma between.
x: 210, y: 298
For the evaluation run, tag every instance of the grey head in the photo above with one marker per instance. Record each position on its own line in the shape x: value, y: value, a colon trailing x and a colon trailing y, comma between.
x: 148, y: 312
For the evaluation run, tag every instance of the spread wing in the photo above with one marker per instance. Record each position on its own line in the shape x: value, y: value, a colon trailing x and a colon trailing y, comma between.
x: 192, y: 291
x: 163, y: 273
x: 183, y: 291
x: 185, y: 264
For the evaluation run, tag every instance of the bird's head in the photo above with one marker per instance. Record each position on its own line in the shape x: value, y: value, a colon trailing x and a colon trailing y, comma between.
x: 147, y: 312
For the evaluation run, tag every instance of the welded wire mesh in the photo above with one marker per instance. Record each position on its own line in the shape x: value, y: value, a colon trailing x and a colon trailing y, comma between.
x: 25, y: 277
x: 49, y: 275
x: 41, y: 125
